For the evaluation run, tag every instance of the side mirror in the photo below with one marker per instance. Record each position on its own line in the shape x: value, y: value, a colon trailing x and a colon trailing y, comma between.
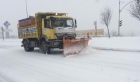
x: 75, y: 23
x: 45, y: 23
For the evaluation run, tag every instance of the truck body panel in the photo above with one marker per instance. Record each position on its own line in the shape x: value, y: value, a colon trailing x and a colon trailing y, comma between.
x: 28, y: 32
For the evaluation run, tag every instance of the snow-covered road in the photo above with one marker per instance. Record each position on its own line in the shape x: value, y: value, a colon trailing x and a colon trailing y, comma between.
x: 91, y: 65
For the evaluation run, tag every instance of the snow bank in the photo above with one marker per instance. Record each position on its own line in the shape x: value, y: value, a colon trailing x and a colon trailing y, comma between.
x: 116, y: 43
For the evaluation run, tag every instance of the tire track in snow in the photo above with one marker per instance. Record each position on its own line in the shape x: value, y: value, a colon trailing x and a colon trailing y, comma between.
x: 47, y: 72
x: 79, y: 70
x: 3, y: 80
x: 80, y: 65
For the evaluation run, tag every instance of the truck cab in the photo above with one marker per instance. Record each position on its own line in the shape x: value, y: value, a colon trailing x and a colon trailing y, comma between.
x: 57, y: 26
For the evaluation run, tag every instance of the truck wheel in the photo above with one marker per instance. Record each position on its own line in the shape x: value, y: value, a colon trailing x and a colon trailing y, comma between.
x: 45, y: 49
x: 48, y: 50
x: 31, y: 48
x: 26, y: 46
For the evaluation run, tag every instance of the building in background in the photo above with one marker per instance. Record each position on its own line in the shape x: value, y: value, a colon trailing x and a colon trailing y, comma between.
x: 92, y: 32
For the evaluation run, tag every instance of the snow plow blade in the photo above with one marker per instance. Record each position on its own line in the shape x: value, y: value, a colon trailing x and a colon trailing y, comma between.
x: 74, y: 46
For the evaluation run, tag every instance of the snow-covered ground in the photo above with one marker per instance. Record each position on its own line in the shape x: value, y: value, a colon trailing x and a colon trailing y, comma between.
x: 117, y: 43
x: 91, y: 65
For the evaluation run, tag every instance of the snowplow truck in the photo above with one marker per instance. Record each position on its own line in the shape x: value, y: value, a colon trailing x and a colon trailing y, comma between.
x: 49, y: 30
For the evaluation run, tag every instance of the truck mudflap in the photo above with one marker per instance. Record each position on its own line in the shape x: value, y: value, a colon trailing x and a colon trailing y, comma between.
x: 74, y: 46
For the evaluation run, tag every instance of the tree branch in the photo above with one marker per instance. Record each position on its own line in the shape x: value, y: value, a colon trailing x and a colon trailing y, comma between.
x: 135, y: 11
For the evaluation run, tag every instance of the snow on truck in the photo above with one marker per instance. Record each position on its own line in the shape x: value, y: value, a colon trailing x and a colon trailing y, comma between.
x: 49, y: 30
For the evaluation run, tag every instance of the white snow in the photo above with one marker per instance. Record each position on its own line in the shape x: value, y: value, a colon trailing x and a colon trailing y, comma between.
x: 120, y: 43
x: 90, y: 65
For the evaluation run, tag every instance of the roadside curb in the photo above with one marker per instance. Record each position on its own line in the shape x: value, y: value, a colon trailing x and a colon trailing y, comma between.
x: 115, y: 49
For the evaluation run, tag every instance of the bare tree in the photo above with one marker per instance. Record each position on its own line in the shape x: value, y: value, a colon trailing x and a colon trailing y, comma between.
x: 135, y: 10
x: 106, y: 16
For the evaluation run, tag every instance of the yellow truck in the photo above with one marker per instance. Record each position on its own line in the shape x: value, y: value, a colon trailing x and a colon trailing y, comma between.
x: 49, y: 30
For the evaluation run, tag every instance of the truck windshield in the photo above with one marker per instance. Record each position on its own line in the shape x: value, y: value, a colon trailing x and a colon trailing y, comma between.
x: 62, y: 22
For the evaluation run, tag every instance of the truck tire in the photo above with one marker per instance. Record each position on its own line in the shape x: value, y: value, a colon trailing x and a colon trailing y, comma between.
x: 45, y: 49
x: 26, y: 46
x: 31, y: 48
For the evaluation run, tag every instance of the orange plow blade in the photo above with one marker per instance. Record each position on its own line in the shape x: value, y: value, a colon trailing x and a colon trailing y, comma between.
x: 74, y: 46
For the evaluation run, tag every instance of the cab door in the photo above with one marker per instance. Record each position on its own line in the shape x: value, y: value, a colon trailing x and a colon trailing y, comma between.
x: 47, y: 29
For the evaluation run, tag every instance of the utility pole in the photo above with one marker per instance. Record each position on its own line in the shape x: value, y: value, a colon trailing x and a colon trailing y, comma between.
x: 26, y: 8
x: 119, y: 20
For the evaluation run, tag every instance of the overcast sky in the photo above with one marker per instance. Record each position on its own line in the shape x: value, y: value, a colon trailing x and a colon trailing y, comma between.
x: 85, y: 11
